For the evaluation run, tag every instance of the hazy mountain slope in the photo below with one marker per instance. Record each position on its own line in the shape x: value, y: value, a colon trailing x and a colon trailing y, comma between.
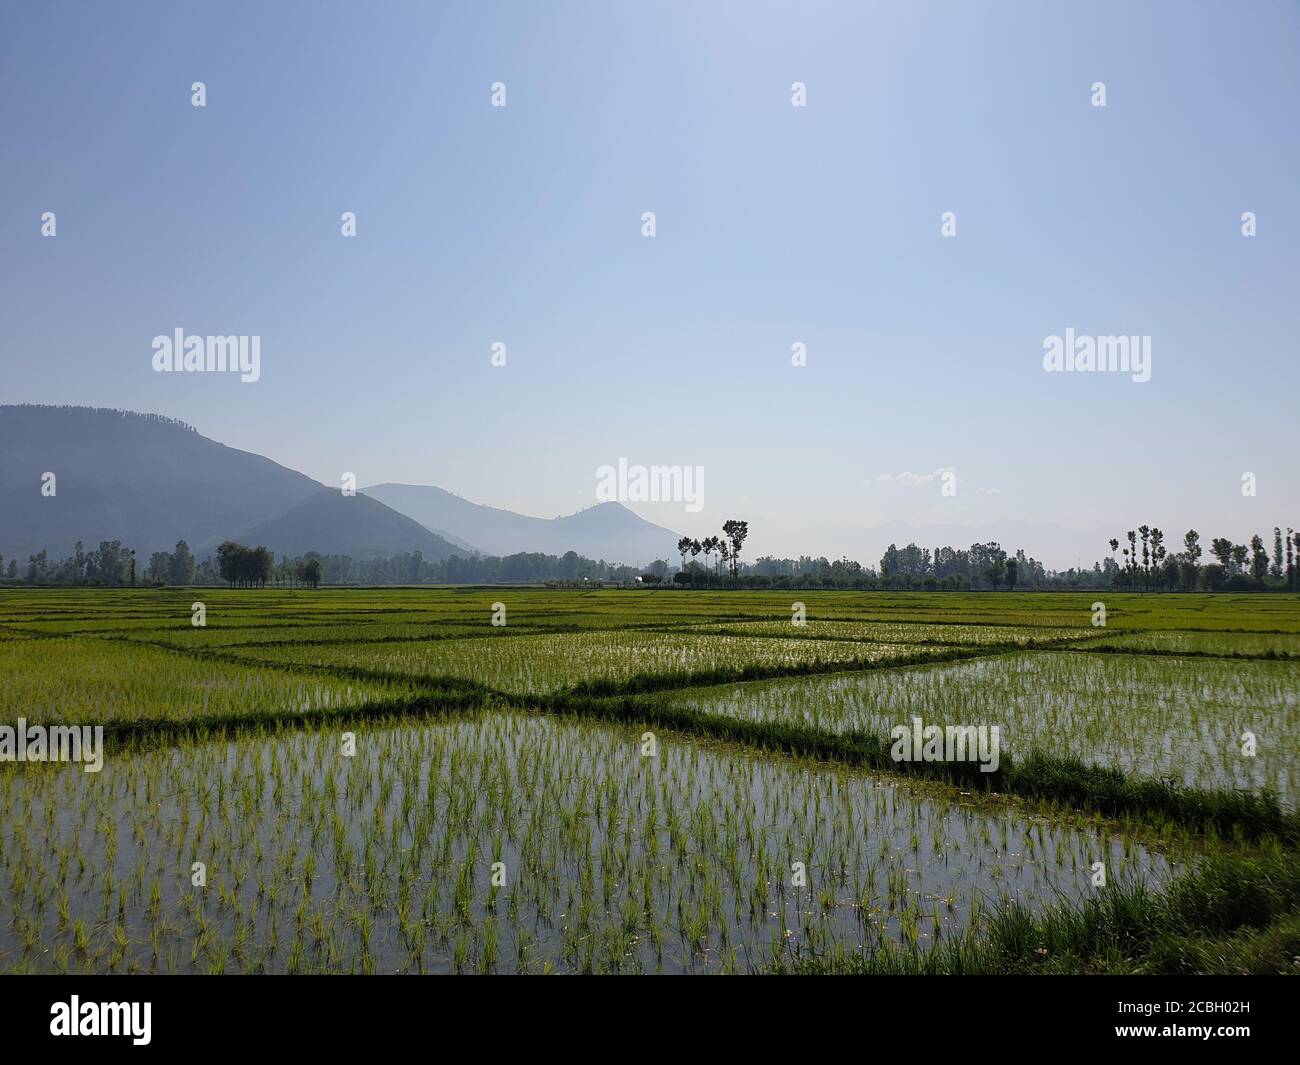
x: 136, y: 478
x: 607, y: 530
x: 334, y: 524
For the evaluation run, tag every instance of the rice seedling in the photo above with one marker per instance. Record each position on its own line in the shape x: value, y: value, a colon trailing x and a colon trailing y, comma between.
x: 498, y: 814
x: 547, y: 663
x: 1156, y: 717
x: 611, y: 861
x: 81, y: 680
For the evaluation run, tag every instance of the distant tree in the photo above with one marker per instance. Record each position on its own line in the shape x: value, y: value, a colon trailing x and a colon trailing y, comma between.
x: 227, y: 561
x: 891, y: 563
x: 1158, y: 551
x: 110, y: 561
x: 1275, y: 567
x: 160, y: 566
x: 683, y: 546
x: 182, y: 569
x: 710, y: 544
x: 1239, y: 553
x: 1221, y: 549
x: 1291, y: 544
x: 37, y: 565
x: 1258, y: 558
x: 1013, y: 571
x: 261, y: 567
x: 1172, y: 572
x: 312, y: 572
x: 1191, y: 558
x: 735, y: 531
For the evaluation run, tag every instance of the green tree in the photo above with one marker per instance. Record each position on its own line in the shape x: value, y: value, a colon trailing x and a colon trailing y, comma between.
x: 1258, y: 558
x: 1191, y: 558
x: 182, y: 569
x: 1221, y: 549
x: 230, y: 562
x: 1239, y: 552
x: 160, y: 566
x: 735, y: 531
x: 312, y: 572
x: 110, y: 562
x: 710, y: 545
x: 1158, y: 551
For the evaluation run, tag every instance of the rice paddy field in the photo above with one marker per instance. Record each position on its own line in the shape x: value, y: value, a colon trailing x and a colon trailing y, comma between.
x: 525, y: 780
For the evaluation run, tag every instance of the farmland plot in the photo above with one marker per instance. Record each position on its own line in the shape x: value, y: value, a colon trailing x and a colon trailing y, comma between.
x: 1180, y: 718
x: 502, y: 842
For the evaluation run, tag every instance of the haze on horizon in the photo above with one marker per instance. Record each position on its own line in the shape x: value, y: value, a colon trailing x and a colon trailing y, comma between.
x: 775, y: 225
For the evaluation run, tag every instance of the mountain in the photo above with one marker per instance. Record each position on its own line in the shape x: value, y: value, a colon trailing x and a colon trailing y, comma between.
x: 606, y: 531
x: 142, y: 479
x: 150, y: 481
x: 334, y: 524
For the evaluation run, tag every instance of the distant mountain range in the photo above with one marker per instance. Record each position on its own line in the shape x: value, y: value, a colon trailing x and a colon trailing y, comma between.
x: 606, y: 531
x: 151, y: 481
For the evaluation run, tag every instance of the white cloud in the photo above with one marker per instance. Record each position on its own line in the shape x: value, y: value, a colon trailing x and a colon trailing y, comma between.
x: 915, y: 479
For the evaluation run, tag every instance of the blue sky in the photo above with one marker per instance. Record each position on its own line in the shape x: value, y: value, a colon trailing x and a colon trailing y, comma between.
x: 775, y: 224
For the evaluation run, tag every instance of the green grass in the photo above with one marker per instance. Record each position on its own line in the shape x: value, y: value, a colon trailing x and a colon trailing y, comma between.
x: 1228, y: 916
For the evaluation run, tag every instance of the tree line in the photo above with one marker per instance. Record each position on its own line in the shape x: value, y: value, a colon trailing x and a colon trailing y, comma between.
x: 910, y: 568
x: 1144, y: 564
x: 238, y: 565
x: 252, y: 567
x: 727, y: 547
x: 1237, y: 567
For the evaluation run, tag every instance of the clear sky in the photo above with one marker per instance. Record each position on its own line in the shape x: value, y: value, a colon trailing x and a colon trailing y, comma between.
x: 775, y: 225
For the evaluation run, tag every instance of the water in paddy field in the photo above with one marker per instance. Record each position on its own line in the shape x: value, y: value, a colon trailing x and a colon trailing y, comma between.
x: 604, y: 858
x: 1183, y: 718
